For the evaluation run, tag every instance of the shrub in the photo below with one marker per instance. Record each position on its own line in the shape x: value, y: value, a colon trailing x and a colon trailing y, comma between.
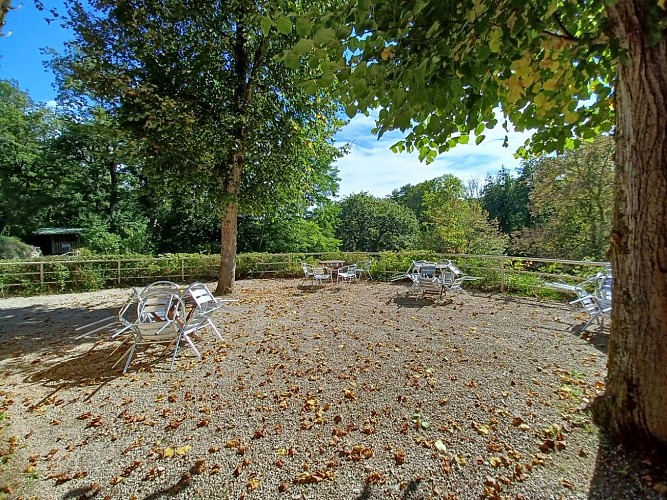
x: 13, y: 248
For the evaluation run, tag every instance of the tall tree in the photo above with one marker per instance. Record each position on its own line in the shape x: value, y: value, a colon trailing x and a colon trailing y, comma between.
x: 457, y: 224
x: 370, y: 224
x: 506, y: 197
x: 442, y: 68
x: 24, y: 129
x: 217, y: 115
x: 571, y: 201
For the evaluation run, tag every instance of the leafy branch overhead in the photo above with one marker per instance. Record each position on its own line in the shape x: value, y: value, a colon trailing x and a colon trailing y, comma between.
x: 442, y: 69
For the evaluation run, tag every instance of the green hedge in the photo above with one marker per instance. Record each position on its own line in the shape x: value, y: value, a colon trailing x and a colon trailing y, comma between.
x: 71, y: 274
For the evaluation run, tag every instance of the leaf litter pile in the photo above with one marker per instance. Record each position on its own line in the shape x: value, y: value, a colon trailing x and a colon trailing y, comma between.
x: 343, y: 391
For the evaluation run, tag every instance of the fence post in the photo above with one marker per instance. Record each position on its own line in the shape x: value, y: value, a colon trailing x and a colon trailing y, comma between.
x: 182, y: 270
x: 41, y: 273
x: 118, y: 271
x: 502, y: 275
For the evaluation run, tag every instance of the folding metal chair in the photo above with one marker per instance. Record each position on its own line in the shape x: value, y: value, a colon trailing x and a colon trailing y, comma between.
x: 347, y: 273
x: 596, y: 308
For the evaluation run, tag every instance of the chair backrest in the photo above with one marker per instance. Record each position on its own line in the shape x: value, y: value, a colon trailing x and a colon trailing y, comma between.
x: 427, y: 270
x: 321, y: 271
x: 449, y: 278
x: 453, y: 268
x: 352, y: 269
x: 159, y: 285
x: 201, y: 297
x: 587, y: 301
x: 307, y: 269
x: 159, y: 305
x: 603, y: 284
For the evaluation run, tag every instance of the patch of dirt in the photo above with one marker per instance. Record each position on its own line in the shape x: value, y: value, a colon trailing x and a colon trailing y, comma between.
x: 344, y: 391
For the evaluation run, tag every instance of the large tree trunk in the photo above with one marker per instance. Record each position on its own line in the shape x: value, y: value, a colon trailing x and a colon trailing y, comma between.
x: 634, y: 408
x: 229, y: 229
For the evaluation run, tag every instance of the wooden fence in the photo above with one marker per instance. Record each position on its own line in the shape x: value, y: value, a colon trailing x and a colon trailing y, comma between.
x: 496, y: 272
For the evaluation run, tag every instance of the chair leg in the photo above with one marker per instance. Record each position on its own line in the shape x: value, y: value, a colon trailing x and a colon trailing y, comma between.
x: 119, y: 346
x: 173, y: 359
x: 217, y: 333
x: 593, y: 318
x: 129, y: 357
x: 127, y: 351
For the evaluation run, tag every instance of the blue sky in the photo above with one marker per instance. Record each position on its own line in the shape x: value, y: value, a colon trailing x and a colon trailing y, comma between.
x: 370, y: 166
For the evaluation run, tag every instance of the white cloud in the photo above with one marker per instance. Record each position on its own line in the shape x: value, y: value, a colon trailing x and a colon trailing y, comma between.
x: 373, y: 168
x: 51, y: 104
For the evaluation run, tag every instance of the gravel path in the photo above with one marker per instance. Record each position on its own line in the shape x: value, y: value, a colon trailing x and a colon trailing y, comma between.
x: 347, y: 391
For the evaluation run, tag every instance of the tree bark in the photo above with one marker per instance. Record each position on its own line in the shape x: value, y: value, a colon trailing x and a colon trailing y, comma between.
x: 634, y: 408
x: 229, y: 228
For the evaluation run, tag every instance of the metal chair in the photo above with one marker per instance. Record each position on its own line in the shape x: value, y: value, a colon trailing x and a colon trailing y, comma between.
x: 364, y: 268
x: 160, y: 321
x: 322, y: 274
x: 203, y: 304
x: 347, y: 273
x: 452, y: 277
x: 596, y: 308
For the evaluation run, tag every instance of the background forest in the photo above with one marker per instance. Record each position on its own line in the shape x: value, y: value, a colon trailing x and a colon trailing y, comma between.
x: 65, y: 168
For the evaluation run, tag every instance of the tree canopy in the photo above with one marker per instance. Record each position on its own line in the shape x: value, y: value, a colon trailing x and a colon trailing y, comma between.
x: 572, y: 70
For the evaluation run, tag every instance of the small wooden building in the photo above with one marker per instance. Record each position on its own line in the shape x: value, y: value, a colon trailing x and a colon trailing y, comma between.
x: 56, y: 240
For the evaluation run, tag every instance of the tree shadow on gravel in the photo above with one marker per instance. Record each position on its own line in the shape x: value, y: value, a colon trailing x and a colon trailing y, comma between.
x: 92, y: 369
x: 419, y: 302
x: 37, y: 329
x: 512, y: 299
x: 598, y: 338
x: 621, y: 473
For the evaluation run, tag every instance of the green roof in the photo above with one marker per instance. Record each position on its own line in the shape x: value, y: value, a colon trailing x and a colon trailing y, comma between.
x: 59, y: 230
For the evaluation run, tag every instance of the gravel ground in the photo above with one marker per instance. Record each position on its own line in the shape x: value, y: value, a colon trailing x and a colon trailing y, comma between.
x: 345, y: 391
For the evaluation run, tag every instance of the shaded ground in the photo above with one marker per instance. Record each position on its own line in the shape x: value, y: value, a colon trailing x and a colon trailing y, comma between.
x: 347, y: 391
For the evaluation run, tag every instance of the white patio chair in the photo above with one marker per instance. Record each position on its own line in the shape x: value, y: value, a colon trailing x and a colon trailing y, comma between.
x: 322, y: 274
x: 203, y: 304
x: 430, y: 286
x: 452, y: 277
x: 364, y: 268
x: 347, y: 274
x: 596, y: 308
x: 308, y: 272
x: 166, y: 330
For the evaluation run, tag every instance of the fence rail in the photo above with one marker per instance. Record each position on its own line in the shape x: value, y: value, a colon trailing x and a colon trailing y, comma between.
x: 496, y: 272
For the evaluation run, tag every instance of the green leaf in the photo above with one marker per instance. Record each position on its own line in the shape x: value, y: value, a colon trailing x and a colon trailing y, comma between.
x: 479, y: 139
x: 325, y: 81
x: 431, y: 31
x: 303, y: 46
x: 311, y: 87
x: 351, y: 110
x: 463, y: 139
x: 284, y: 25
x: 303, y: 26
x: 323, y: 36
x: 265, y: 25
x: 483, y: 52
x: 292, y: 61
x: 479, y: 129
x: 494, y: 39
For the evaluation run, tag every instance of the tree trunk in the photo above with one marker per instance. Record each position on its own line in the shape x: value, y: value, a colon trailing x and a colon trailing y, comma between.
x: 634, y: 408
x: 229, y: 229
